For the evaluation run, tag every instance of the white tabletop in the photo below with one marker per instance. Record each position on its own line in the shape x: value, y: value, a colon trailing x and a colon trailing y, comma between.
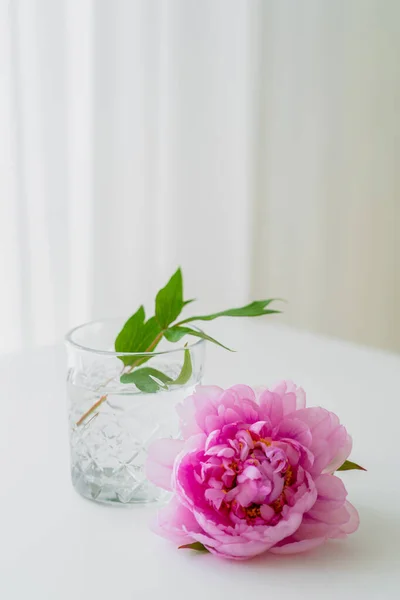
x: 54, y: 545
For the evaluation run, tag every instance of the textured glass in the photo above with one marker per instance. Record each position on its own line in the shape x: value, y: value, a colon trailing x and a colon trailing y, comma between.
x: 109, y: 446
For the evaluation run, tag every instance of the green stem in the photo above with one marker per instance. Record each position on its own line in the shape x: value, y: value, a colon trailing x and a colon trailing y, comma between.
x: 149, y: 349
x: 91, y: 409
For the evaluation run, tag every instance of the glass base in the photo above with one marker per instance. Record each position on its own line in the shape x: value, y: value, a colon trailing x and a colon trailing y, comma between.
x: 112, y: 426
x: 115, y: 488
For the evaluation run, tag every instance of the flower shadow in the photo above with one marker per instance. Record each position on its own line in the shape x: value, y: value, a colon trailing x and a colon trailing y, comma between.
x: 374, y: 545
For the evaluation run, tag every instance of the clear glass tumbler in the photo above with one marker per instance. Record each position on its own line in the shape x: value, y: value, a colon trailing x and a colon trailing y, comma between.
x: 111, y: 424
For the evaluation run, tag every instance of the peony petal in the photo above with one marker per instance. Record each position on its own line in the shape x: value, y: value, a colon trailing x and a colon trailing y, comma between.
x: 207, y: 392
x: 330, y: 441
x: 215, y: 496
x: 212, y: 439
x: 211, y: 423
x: 342, y: 443
x: 339, y: 516
x: 190, y: 410
x: 233, y: 542
x: 196, y: 407
x: 162, y: 474
x: 165, y: 451
x: 300, y: 395
x: 331, y: 492
x: 195, y: 442
x: 243, y: 392
x: 297, y: 547
x: 231, y: 416
x: 247, y: 491
x: 175, y: 523
x: 250, y: 472
x: 354, y: 520
x: 271, y: 407
x: 159, y: 475
x: 315, y: 417
x: 267, y: 512
x: 294, y: 429
x: 187, y: 418
x: 240, y: 550
x: 293, y: 397
x: 310, y: 529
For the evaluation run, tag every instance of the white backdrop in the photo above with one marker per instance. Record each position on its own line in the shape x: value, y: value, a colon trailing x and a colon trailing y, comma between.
x: 254, y: 142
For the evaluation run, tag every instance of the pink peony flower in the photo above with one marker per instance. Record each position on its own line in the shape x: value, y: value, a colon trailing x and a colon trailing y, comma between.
x: 253, y: 474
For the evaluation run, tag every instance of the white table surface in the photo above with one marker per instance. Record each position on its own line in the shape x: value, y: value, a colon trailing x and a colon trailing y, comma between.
x: 54, y: 545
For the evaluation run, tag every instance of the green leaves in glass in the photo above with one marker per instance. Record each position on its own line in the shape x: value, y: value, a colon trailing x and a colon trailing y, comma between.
x: 139, y: 338
x: 169, y: 300
x: 147, y: 379
x: 151, y: 380
x: 348, y: 465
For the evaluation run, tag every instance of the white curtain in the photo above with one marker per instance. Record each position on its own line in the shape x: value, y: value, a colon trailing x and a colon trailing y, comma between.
x: 254, y: 142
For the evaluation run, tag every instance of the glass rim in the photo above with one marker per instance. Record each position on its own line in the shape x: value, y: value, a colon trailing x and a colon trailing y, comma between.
x: 69, y: 341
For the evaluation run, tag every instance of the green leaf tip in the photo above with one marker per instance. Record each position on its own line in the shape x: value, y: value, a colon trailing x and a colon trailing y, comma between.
x: 348, y: 465
x: 254, y: 309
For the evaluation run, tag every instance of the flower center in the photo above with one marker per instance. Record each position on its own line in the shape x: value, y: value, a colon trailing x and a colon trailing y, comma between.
x: 289, y: 477
x: 253, y: 511
x: 248, y: 476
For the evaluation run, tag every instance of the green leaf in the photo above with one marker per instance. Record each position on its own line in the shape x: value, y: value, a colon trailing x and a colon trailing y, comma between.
x: 350, y: 466
x: 174, y: 334
x: 169, y: 300
x: 130, y: 336
x: 189, y: 301
x: 150, y: 332
x: 151, y: 380
x: 186, y: 371
x: 254, y: 309
x: 137, y: 336
x: 194, y: 546
x: 147, y: 379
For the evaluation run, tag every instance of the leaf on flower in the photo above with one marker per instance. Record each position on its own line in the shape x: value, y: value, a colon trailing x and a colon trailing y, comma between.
x: 348, y: 465
x: 147, y: 380
x: 194, y: 546
x: 174, y: 334
x: 169, y: 300
x: 254, y: 309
